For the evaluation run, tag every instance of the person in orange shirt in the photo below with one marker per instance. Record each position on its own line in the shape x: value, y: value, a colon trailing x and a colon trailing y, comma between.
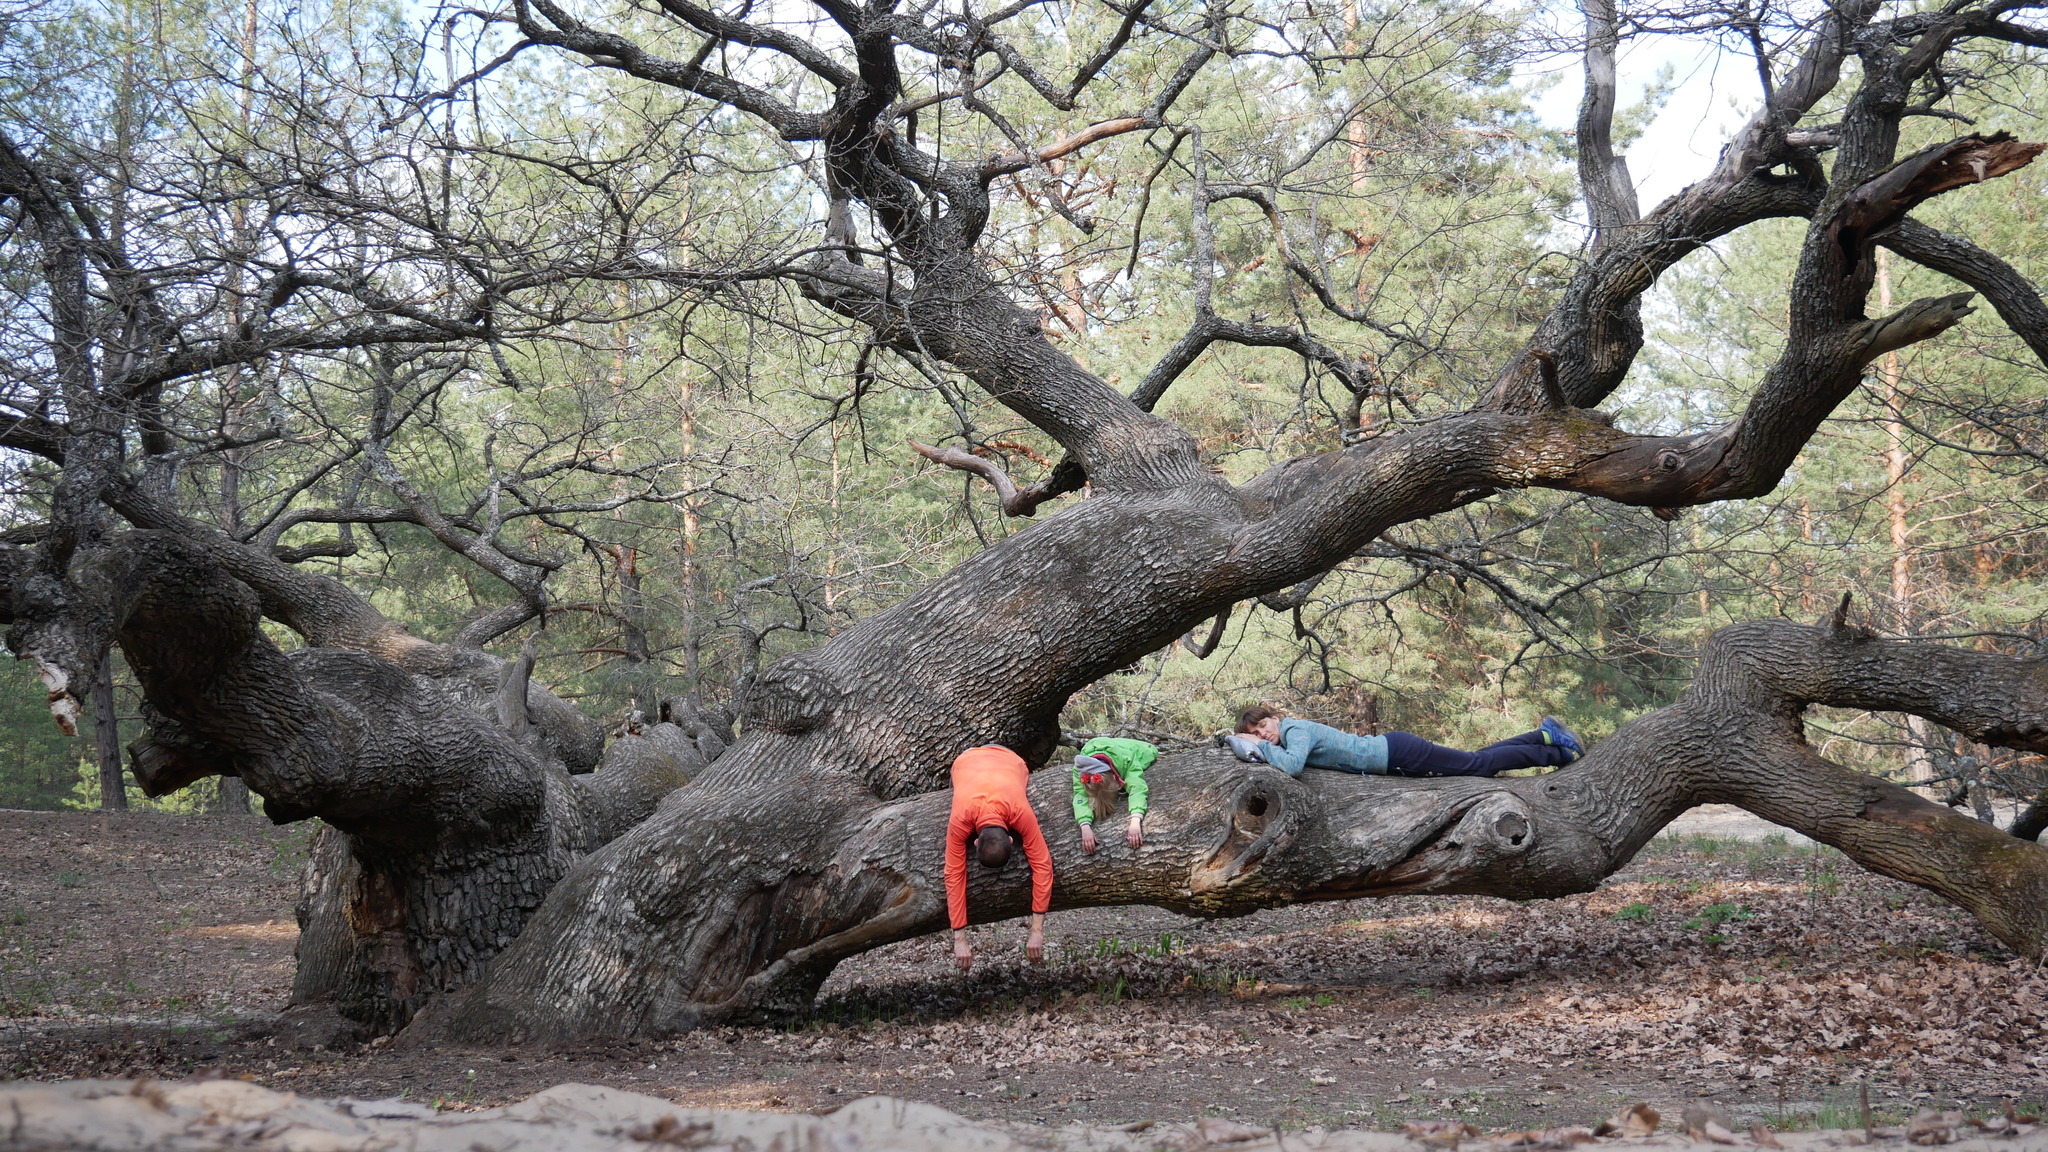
x: 991, y: 810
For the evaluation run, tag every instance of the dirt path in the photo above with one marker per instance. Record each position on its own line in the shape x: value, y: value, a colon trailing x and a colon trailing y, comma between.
x: 1776, y: 979
x: 1727, y: 822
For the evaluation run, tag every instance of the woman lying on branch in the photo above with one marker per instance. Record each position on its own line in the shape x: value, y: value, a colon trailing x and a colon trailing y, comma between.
x: 1267, y: 735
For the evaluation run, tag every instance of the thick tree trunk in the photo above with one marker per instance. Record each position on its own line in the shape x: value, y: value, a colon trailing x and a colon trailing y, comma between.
x: 780, y: 865
x: 454, y: 789
x: 451, y: 812
x: 817, y: 835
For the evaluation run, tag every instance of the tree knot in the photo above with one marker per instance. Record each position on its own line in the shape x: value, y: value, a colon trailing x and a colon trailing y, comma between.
x: 792, y: 697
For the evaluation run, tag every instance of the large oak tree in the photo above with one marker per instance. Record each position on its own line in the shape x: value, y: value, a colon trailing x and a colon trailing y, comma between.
x: 480, y: 881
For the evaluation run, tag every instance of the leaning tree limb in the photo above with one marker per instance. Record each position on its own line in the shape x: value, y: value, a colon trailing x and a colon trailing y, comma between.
x: 328, y: 614
x: 1603, y: 173
x: 1832, y: 342
x: 1015, y: 501
x: 1595, y: 328
x: 1224, y: 838
x: 2015, y: 297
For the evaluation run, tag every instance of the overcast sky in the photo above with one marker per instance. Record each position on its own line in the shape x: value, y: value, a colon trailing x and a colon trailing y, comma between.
x: 1714, y: 94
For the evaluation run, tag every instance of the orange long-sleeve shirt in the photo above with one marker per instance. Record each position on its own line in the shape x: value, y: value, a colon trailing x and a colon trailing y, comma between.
x: 988, y: 788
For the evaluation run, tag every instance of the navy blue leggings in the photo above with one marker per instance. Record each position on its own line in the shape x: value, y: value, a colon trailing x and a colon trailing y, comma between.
x: 1410, y: 755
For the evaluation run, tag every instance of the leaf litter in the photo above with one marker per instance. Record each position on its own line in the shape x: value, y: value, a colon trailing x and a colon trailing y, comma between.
x: 1775, y: 981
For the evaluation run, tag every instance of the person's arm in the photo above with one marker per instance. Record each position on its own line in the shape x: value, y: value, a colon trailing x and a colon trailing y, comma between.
x: 1084, y: 814
x: 958, y: 833
x: 1138, y: 795
x: 1143, y: 755
x: 1289, y: 760
x: 1040, y: 858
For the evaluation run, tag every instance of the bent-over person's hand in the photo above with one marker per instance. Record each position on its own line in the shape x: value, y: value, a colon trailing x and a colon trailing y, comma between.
x: 1088, y: 838
x: 963, y: 953
x: 1135, y: 836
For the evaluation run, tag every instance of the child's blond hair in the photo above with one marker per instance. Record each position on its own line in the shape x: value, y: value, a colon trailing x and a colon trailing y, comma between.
x: 1101, y: 796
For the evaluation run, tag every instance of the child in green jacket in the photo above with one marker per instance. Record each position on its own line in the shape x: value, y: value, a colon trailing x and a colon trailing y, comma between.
x: 1105, y: 767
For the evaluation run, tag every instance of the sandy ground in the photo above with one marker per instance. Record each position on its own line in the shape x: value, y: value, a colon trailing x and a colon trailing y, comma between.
x: 1727, y: 822
x: 220, y: 1114
x: 1779, y: 979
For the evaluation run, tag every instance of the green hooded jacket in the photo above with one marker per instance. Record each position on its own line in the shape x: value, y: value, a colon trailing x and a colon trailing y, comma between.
x: 1131, y: 758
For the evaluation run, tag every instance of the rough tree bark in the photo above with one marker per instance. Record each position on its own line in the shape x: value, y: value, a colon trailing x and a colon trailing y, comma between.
x: 450, y: 813
x: 460, y: 834
x: 1225, y: 838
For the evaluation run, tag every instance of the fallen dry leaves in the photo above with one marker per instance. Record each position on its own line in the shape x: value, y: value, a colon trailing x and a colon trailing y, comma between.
x: 1548, y: 1140
x: 1444, y: 1133
x: 1764, y: 973
x: 1637, y: 1119
x: 1715, y: 966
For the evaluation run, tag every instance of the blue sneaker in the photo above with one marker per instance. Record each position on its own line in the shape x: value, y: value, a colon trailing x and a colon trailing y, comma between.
x: 1562, y: 737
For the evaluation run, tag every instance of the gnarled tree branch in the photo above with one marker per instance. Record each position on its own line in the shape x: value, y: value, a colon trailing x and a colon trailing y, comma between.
x: 1224, y: 838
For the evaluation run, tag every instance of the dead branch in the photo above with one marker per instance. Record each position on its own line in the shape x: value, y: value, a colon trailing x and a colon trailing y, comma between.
x: 1015, y: 501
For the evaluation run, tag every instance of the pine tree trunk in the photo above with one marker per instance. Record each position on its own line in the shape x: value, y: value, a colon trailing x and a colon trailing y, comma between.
x: 106, y: 740
x: 232, y: 798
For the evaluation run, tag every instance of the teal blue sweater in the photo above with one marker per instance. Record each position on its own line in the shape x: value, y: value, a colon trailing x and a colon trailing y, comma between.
x: 1307, y: 744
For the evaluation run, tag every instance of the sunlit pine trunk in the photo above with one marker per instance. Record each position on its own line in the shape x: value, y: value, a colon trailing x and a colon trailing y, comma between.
x: 686, y: 566
x: 1704, y: 600
x: 1359, y: 157
x: 1805, y: 519
x: 832, y: 535
x: 106, y: 739
x: 1918, y: 733
x: 686, y: 447
x: 1072, y: 306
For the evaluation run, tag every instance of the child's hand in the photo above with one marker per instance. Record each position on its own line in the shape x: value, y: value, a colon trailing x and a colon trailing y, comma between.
x: 963, y: 953
x: 1034, y: 948
x: 1134, y: 836
x: 1088, y: 838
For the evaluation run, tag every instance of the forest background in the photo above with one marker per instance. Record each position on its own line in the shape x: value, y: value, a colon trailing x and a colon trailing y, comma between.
x: 707, y: 478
